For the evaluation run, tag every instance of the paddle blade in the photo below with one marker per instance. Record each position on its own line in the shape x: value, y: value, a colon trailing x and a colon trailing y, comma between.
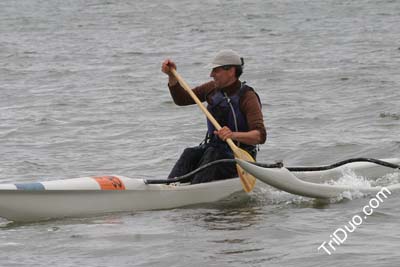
x: 248, y: 181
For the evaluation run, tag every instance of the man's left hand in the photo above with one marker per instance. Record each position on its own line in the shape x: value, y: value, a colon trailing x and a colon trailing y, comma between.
x: 224, y: 133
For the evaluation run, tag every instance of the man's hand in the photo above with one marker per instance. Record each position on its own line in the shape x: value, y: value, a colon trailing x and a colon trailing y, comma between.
x: 224, y: 133
x: 166, y: 67
x: 250, y: 138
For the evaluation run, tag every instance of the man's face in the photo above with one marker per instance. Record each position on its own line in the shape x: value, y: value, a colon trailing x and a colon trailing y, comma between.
x: 223, y: 76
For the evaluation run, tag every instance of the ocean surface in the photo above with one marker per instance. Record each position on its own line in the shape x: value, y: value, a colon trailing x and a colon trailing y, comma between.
x: 82, y: 94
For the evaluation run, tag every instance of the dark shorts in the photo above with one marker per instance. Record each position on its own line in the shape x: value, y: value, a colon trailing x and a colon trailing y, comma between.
x: 194, y: 157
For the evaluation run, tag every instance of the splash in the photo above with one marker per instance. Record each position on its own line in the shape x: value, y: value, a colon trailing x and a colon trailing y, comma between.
x: 351, y: 179
x: 388, y: 179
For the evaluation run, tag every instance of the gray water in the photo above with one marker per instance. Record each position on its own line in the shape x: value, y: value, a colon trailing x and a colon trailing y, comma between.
x: 81, y: 93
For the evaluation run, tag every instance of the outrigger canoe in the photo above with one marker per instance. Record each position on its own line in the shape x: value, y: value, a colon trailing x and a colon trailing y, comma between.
x: 88, y: 196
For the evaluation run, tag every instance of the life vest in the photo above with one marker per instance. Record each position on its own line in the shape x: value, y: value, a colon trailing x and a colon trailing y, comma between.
x: 226, y: 110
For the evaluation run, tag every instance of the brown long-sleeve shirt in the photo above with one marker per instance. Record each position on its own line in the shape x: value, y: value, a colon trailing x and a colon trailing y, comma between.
x: 249, y: 105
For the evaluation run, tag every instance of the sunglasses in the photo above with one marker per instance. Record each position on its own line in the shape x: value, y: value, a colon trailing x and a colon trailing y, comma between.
x: 226, y: 67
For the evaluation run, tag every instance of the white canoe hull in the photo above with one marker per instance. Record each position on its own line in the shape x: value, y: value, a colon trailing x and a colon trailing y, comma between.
x: 299, y: 182
x: 85, y: 197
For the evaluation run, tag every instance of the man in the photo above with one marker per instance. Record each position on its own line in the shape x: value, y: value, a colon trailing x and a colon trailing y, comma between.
x: 233, y: 104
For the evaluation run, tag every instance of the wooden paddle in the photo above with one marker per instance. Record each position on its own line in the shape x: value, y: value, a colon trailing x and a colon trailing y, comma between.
x: 247, y: 180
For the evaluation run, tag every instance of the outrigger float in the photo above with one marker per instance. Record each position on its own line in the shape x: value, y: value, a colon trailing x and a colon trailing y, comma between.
x: 88, y: 196
x: 311, y: 181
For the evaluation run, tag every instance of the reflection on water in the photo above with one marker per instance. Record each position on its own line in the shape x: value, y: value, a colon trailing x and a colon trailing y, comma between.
x: 389, y: 115
x: 230, y: 219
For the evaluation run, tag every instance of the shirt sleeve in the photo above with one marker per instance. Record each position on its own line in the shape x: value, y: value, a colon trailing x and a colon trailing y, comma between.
x: 251, y: 108
x: 182, y: 98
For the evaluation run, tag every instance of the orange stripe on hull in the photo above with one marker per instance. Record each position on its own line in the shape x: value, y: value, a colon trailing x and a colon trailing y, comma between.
x: 110, y: 183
